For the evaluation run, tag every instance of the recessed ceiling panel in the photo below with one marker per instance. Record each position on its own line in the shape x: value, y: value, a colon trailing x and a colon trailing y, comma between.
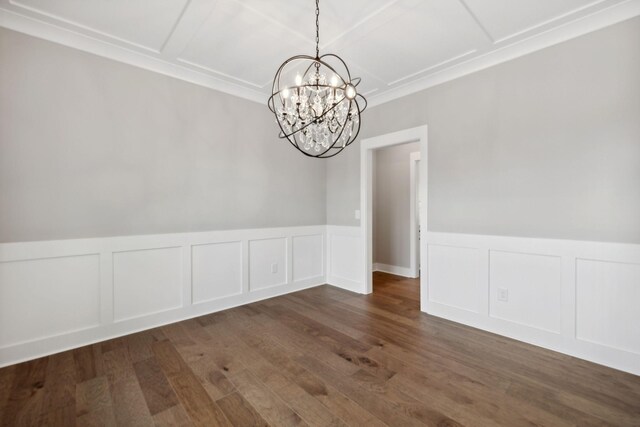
x: 413, y: 38
x: 237, y: 43
x: 145, y: 23
x: 336, y: 16
x: 506, y: 18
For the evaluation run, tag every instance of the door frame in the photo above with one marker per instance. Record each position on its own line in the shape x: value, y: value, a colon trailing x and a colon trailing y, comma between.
x: 414, y: 224
x: 417, y: 134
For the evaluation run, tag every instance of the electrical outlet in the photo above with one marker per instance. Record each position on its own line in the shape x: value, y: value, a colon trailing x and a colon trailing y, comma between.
x: 274, y: 268
x: 503, y: 294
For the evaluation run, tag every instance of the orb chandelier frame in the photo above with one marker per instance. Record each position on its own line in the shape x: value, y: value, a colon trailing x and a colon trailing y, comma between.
x: 319, y: 113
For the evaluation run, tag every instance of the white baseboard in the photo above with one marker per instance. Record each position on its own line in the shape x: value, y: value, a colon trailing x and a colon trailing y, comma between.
x: 57, y: 295
x: 394, y: 269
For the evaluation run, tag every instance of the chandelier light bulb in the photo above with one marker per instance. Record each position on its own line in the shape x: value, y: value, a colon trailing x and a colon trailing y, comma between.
x: 350, y: 91
x: 298, y: 80
x: 285, y: 92
x: 334, y: 80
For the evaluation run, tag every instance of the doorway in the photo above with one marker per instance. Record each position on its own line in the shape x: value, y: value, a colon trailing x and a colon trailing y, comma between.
x: 367, y: 147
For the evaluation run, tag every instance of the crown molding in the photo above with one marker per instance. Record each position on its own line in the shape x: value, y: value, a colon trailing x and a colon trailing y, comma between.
x: 67, y: 37
x: 589, y: 23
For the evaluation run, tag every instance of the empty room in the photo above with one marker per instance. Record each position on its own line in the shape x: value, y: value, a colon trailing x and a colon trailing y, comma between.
x: 319, y: 213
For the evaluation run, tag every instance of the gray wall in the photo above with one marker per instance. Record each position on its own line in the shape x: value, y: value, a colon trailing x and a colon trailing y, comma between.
x: 547, y: 145
x: 92, y: 147
x: 391, y: 195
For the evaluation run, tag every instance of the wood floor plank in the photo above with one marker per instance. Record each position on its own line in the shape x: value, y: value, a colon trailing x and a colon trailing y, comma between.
x: 211, y: 377
x: 139, y: 344
x: 201, y: 409
x: 276, y: 371
x: 177, y: 334
x: 175, y: 416
x: 6, y: 381
x: 377, y: 402
x: 279, y: 354
x: 319, y: 357
x: 25, y: 398
x: 85, y: 363
x: 156, y: 389
x: 59, y: 393
x: 240, y: 412
x: 266, y: 403
x: 129, y: 404
x: 94, y: 406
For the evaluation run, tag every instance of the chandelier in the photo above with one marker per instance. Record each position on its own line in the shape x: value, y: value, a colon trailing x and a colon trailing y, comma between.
x: 318, y: 110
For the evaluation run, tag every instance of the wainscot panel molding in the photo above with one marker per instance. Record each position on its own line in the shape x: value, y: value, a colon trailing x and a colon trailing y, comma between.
x: 576, y: 297
x: 344, y: 257
x: 62, y: 294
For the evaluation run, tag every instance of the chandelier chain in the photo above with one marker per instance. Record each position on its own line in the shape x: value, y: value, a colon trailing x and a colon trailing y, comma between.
x: 317, y: 28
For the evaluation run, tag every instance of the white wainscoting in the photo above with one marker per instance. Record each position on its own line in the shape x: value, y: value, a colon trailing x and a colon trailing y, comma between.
x: 576, y: 297
x: 345, y: 264
x: 454, y: 272
x: 56, y: 295
x: 268, y: 263
x: 579, y: 298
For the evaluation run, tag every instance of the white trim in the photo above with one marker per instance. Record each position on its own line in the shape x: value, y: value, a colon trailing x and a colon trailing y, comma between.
x: 393, y: 269
x: 366, y: 207
x: 414, y: 240
x: 159, y: 300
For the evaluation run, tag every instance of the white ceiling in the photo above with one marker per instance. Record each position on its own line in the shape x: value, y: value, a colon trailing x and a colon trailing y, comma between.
x: 396, y: 46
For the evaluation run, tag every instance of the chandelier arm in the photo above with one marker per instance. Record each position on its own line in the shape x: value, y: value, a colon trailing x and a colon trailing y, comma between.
x: 287, y: 135
x: 332, y: 154
x: 365, y: 104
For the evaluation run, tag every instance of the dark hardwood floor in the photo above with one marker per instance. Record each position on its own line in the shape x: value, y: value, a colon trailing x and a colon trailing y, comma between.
x: 322, y: 357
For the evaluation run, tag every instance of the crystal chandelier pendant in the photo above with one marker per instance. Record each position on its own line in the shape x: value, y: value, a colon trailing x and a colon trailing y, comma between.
x: 316, y: 102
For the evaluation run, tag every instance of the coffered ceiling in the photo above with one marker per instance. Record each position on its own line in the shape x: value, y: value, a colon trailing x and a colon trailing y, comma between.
x: 396, y: 46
